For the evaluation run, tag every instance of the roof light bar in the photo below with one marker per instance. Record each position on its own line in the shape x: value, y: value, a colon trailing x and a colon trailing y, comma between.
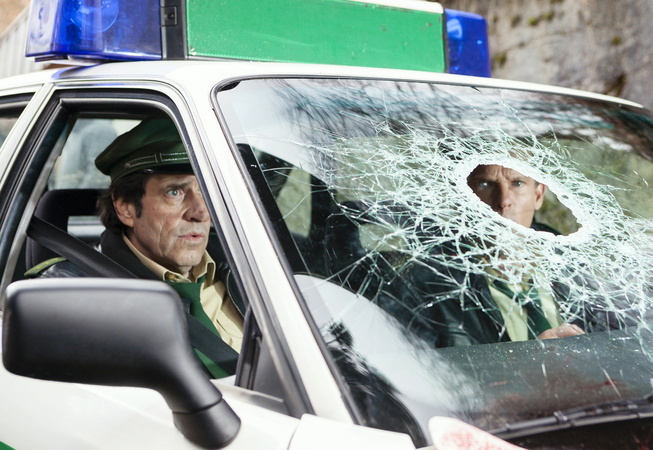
x: 402, y: 34
x: 468, y: 44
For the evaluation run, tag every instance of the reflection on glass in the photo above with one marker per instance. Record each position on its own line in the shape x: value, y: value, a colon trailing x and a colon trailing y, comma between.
x: 367, y: 184
x: 5, y: 126
x: 76, y: 166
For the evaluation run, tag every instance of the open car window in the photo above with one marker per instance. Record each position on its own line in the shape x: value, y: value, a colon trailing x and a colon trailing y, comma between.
x: 399, y: 260
x: 75, y: 167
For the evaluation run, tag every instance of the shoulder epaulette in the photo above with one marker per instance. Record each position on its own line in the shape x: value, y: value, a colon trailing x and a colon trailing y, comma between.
x: 43, y: 266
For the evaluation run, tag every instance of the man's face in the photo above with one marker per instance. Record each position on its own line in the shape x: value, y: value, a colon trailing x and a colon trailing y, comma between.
x: 173, y: 227
x: 508, y: 192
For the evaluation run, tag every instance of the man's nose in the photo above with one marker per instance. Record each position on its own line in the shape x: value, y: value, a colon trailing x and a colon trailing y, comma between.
x: 197, y: 210
x: 504, y: 197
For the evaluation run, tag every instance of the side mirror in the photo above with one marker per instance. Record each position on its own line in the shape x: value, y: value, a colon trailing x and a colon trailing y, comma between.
x: 126, y: 333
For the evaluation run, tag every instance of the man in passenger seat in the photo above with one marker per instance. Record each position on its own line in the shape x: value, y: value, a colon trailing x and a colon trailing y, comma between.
x: 517, y: 197
x: 157, y: 226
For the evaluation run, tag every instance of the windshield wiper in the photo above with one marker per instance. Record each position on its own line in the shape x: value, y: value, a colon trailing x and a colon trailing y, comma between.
x: 615, y: 411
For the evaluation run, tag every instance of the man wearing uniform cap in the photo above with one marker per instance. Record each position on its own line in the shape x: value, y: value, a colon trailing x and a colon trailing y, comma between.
x: 157, y: 226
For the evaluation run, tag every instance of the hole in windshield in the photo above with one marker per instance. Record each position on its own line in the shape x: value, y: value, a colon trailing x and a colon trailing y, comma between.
x: 521, y: 199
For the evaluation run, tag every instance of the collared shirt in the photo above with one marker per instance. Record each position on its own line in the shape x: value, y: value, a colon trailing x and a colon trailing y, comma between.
x: 514, y: 315
x: 213, y: 295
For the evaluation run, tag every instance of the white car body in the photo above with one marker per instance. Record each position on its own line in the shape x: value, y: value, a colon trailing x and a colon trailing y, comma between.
x: 47, y: 414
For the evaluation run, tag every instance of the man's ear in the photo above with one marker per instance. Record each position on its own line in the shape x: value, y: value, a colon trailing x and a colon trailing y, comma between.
x: 125, y: 211
x: 540, y: 190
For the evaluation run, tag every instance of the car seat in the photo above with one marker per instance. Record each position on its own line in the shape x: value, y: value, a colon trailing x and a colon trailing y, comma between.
x: 57, y: 207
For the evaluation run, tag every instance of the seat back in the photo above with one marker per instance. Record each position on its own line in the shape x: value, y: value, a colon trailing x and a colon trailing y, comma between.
x: 57, y: 207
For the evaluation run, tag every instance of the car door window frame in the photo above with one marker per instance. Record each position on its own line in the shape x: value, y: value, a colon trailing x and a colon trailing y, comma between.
x: 11, y: 107
x: 30, y: 172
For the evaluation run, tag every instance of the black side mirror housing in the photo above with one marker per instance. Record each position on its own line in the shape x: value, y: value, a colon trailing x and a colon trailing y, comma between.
x: 105, y: 332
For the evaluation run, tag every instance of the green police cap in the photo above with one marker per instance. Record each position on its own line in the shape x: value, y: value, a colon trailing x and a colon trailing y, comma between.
x: 153, y: 146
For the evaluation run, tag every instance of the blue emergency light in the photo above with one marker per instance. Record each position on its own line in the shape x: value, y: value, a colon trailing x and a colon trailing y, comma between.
x: 468, y: 46
x: 395, y: 35
x: 94, y: 29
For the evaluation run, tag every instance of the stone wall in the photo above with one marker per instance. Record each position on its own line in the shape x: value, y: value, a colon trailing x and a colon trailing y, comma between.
x: 598, y: 45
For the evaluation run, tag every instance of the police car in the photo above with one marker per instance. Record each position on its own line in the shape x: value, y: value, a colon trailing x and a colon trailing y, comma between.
x: 337, y: 185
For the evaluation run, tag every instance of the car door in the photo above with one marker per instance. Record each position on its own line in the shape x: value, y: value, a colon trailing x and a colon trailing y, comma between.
x: 56, y: 157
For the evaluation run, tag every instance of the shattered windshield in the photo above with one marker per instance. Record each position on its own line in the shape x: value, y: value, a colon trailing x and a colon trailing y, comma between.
x: 439, y: 233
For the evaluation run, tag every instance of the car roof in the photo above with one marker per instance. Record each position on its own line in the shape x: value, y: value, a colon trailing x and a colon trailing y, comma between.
x: 211, y: 72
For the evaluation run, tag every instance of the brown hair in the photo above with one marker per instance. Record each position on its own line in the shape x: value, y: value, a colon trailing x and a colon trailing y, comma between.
x: 131, y: 189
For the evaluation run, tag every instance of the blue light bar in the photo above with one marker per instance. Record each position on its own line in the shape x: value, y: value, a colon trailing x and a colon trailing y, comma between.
x: 157, y: 29
x: 94, y: 29
x: 469, y: 49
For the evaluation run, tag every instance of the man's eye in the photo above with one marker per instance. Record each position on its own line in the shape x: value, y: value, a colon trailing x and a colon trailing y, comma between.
x: 174, y: 192
x: 518, y: 183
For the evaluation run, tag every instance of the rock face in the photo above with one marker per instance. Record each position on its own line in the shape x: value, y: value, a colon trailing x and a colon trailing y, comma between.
x: 597, y: 45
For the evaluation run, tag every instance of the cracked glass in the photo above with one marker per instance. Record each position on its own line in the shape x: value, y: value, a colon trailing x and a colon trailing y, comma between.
x: 423, y: 290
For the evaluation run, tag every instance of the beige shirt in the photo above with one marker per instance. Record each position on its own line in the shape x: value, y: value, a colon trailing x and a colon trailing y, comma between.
x: 213, y: 295
x: 514, y: 315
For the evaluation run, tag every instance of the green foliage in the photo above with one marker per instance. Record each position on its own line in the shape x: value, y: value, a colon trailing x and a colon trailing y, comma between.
x: 499, y: 59
x: 534, y: 21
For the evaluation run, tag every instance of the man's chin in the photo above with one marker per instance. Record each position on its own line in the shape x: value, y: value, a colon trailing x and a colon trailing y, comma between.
x: 193, y: 261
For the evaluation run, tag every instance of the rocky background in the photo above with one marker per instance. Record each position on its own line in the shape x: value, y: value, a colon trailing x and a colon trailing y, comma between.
x: 597, y: 45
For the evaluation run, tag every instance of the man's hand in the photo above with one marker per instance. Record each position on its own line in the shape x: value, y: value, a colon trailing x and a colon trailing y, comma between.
x: 564, y: 330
